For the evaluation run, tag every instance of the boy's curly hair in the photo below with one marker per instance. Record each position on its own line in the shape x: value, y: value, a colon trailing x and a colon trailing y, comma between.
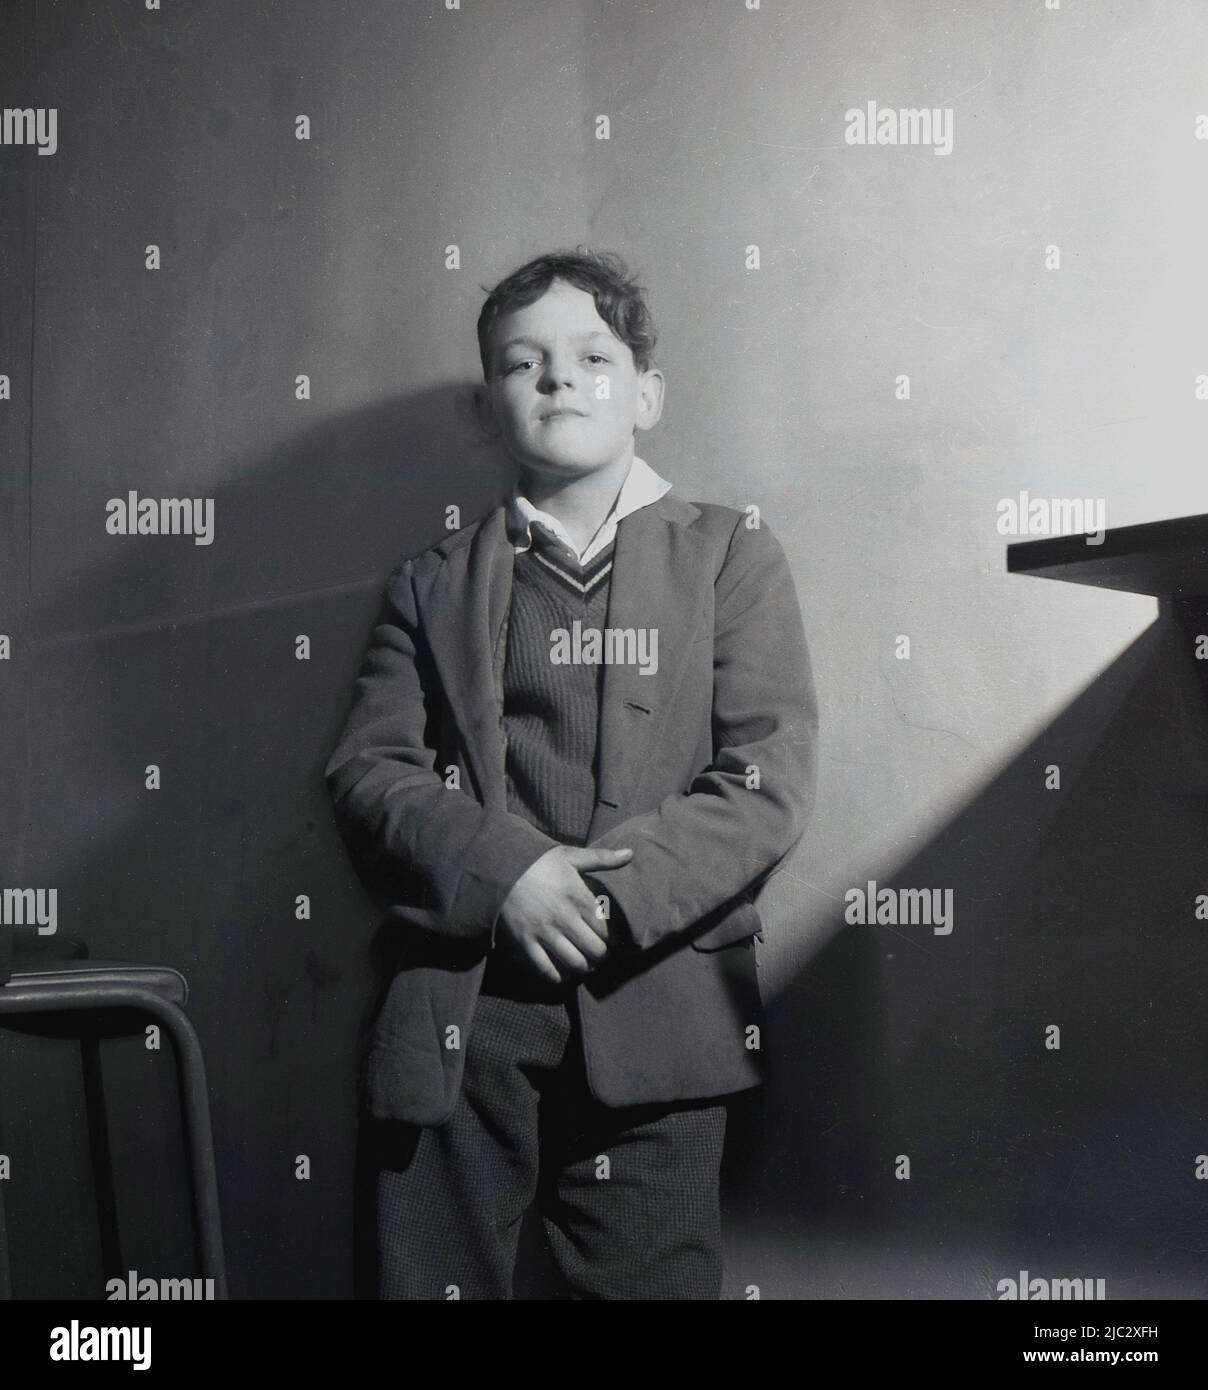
x: 620, y: 300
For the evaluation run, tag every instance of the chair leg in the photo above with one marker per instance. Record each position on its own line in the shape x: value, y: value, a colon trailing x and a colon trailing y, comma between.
x: 190, y: 1066
x: 102, y: 1158
x: 6, y: 1275
x: 200, y: 1141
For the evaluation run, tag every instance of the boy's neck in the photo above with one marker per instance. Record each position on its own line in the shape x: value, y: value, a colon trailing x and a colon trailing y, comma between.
x: 581, y: 503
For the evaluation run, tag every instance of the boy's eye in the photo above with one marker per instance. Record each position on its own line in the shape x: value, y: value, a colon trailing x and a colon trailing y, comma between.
x: 512, y: 367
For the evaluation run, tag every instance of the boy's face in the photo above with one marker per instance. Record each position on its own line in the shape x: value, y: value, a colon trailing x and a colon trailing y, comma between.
x: 564, y: 392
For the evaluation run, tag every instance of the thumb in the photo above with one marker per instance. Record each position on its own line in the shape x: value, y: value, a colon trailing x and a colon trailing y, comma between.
x: 589, y: 858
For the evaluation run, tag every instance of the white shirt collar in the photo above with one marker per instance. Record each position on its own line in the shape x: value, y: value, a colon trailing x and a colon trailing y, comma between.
x: 641, y: 487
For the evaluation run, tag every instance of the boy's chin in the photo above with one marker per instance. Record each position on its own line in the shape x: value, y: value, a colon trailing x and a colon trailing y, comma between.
x: 563, y: 466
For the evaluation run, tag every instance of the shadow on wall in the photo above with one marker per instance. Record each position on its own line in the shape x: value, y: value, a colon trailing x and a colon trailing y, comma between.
x: 184, y: 656
x: 1073, y: 907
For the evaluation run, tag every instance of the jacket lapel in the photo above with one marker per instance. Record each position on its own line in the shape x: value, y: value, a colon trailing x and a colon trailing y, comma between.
x: 656, y: 583
x: 462, y: 618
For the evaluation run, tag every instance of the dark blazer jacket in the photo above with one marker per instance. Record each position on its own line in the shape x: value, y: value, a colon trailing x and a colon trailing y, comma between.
x: 706, y: 769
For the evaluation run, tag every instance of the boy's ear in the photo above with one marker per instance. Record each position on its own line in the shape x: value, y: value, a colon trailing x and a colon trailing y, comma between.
x: 484, y: 414
x: 651, y: 386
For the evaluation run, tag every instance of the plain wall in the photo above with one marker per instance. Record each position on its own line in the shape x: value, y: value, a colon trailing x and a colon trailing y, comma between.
x: 1072, y: 127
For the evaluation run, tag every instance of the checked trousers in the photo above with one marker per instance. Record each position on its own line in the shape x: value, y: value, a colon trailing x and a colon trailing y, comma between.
x: 628, y: 1196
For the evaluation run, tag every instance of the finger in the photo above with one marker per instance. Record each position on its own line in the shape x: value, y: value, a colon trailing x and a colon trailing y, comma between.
x: 587, y: 908
x: 565, y: 955
x: 597, y: 924
x: 541, y: 963
x: 585, y: 937
x: 589, y: 858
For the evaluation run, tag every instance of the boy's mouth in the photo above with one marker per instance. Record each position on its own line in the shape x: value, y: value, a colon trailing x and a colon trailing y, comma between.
x: 560, y: 413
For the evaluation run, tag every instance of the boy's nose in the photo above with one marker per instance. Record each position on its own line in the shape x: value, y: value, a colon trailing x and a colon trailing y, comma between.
x: 555, y: 375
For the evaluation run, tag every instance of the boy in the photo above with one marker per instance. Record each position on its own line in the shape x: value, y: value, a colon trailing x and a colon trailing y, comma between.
x: 583, y: 736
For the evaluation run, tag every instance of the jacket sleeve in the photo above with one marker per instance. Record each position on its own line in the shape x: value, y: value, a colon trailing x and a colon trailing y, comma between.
x: 393, y: 803
x: 741, y: 815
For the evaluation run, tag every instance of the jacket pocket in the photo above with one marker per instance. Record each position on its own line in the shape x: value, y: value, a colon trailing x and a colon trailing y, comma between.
x: 413, y: 1075
x: 739, y: 921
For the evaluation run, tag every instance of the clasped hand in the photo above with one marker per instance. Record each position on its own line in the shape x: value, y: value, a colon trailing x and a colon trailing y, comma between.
x: 551, y: 919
